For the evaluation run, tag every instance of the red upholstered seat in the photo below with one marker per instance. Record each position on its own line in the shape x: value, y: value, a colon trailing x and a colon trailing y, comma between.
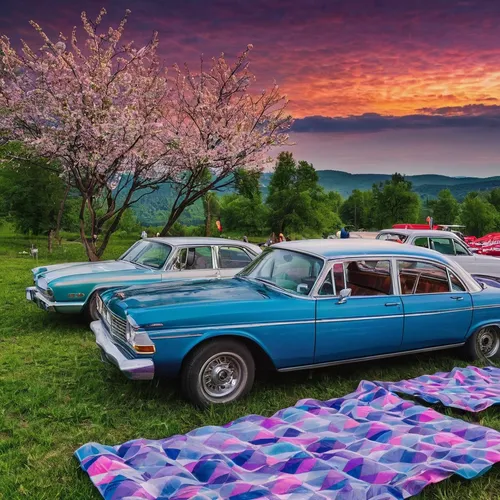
x: 372, y: 282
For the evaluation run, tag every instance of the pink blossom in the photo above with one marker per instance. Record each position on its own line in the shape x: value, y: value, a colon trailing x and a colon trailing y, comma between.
x: 108, y: 111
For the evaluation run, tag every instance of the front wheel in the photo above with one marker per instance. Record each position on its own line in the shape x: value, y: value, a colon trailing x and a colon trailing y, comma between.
x: 90, y: 312
x: 220, y: 371
x: 484, y: 343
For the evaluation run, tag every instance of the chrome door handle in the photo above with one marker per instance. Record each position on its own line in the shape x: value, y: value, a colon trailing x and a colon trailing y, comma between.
x: 391, y: 304
x: 457, y: 298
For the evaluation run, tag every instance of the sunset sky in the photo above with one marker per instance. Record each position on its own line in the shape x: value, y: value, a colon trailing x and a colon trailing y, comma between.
x: 375, y: 85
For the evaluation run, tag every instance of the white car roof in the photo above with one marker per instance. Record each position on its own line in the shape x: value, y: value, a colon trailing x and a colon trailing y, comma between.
x: 429, y: 233
x: 177, y: 241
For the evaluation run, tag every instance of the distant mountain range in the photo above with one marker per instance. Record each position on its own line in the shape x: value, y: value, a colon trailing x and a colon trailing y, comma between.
x: 151, y: 209
x: 425, y: 185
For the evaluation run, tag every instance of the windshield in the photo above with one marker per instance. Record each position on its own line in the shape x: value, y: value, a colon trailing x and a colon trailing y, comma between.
x: 392, y: 237
x: 148, y: 253
x: 291, y: 271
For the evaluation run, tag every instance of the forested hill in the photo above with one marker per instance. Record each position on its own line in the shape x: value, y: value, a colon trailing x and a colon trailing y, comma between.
x: 152, y: 209
x: 425, y: 185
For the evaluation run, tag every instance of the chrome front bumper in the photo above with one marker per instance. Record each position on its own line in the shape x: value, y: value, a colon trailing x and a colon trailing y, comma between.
x: 135, y: 369
x: 33, y: 295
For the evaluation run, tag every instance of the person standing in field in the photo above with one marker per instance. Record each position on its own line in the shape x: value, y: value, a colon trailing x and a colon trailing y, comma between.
x: 344, y: 233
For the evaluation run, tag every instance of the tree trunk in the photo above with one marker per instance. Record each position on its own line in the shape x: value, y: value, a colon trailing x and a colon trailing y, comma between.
x: 88, y: 243
x: 90, y: 250
x: 60, y: 214
x: 172, y: 219
x: 49, y: 242
x: 179, y: 209
x: 208, y: 216
x: 208, y: 225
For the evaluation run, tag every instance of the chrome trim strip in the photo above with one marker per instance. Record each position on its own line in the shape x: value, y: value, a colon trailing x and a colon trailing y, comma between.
x: 187, y: 336
x: 370, y: 358
x: 234, y: 326
x: 339, y: 320
x: 486, y: 307
x: 444, y: 311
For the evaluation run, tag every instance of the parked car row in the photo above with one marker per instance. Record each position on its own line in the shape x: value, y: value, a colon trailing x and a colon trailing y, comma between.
x: 162, y: 309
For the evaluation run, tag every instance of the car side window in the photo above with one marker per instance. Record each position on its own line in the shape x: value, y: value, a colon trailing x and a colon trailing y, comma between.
x: 421, y: 242
x: 334, y: 281
x: 233, y: 257
x: 422, y: 278
x: 456, y: 284
x: 369, y: 277
x: 194, y: 258
x: 443, y: 245
x: 460, y: 249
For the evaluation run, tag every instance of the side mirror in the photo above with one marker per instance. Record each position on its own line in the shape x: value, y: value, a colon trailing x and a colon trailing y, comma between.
x: 344, y: 295
x: 303, y: 289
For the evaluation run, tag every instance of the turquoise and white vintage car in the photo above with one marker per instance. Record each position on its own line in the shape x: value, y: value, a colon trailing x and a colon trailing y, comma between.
x: 73, y: 287
x: 299, y: 305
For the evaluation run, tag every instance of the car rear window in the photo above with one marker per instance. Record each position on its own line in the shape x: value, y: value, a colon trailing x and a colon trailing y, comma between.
x: 422, y: 278
x: 233, y: 257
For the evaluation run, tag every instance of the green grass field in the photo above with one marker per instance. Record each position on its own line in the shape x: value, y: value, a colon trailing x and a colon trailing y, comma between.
x: 55, y: 394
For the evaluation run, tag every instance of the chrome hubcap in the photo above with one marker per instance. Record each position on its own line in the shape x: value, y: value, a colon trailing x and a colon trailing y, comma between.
x: 488, y: 342
x: 221, y: 375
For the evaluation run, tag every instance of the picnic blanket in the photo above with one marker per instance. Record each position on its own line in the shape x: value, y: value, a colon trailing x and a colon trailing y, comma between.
x: 471, y: 389
x: 368, y: 444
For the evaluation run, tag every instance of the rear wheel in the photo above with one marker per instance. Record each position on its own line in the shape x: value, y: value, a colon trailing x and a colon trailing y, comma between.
x: 220, y: 371
x: 90, y: 312
x: 485, y: 343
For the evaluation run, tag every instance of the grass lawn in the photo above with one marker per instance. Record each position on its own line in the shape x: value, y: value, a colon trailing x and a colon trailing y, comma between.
x: 56, y: 395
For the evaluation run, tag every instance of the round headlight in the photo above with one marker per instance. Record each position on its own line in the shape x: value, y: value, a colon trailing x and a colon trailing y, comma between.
x: 42, y: 283
x: 129, y: 333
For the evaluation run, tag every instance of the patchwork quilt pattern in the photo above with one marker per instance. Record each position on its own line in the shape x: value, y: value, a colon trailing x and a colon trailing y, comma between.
x: 471, y: 389
x: 368, y: 444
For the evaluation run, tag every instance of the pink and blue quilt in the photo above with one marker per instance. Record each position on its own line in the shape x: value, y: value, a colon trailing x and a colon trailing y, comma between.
x: 368, y: 444
x: 471, y: 389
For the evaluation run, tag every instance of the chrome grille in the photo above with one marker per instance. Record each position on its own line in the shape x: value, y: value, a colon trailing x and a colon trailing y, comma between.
x: 117, y: 326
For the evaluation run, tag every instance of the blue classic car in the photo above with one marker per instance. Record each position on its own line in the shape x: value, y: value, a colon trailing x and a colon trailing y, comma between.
x: 73, y: 287
x: 299, y: 305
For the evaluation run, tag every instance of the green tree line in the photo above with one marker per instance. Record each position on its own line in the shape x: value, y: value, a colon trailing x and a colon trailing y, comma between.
x: 34, y: 198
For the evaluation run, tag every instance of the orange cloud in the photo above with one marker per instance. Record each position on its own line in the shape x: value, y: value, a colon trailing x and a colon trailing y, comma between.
x: 331, y: 58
